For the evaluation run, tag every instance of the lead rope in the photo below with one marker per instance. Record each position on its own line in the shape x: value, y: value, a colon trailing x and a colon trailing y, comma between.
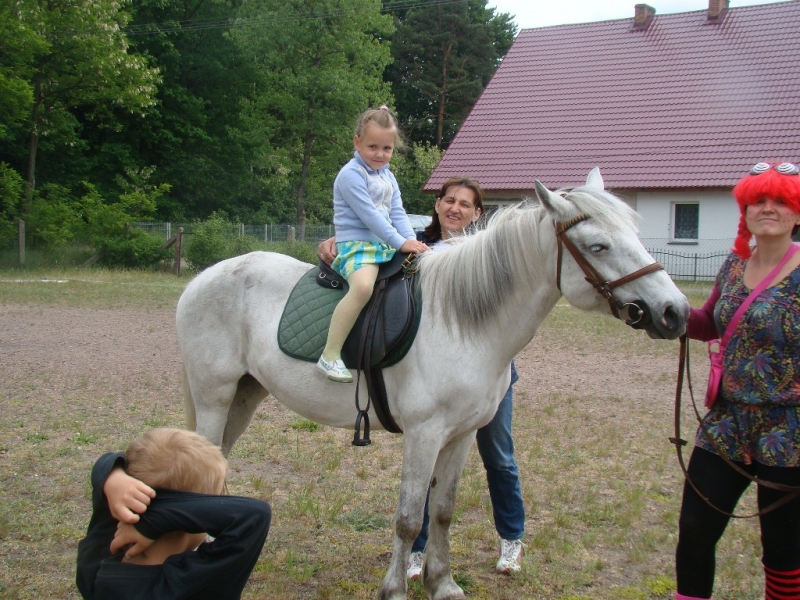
x: 792, y: 492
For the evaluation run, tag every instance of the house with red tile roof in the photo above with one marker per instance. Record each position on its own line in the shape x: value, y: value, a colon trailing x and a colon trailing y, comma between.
x: 674, y: 109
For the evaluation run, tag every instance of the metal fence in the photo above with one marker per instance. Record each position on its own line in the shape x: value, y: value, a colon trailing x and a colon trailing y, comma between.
x: 269, y: 232
x: 694, y: 263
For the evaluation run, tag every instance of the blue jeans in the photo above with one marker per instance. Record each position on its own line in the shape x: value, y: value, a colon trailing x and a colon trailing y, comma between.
x: 496, y: 447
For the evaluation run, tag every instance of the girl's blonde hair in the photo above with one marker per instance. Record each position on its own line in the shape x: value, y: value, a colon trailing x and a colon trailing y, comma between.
x: 177, y: 459
x: 382, y: 117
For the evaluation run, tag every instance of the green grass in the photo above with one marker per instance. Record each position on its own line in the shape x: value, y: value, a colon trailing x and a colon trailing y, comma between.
x: 92, y: 288
x: 600, y: 481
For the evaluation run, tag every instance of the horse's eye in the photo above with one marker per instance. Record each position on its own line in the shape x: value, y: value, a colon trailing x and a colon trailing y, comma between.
x: 597, y: 248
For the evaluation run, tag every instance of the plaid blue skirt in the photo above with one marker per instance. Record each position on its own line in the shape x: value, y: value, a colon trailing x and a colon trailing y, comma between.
x: 355, y: 254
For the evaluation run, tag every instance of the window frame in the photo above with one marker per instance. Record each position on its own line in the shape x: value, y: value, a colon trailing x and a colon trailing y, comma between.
x: 674, y: 223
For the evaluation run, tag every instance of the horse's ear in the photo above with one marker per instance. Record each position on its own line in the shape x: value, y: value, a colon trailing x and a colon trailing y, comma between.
x: 595, y: 180
x: 554, y: 203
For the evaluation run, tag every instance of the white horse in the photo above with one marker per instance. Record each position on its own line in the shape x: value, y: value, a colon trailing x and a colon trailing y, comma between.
x: 483, y: 302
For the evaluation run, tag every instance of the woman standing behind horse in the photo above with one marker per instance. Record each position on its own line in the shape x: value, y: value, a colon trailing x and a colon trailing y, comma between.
x: 755, y: 420
x: 458, y: 205
x: 371, y: 225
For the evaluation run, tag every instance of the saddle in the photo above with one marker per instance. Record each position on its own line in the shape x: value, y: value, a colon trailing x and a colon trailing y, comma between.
x: 381, y: 337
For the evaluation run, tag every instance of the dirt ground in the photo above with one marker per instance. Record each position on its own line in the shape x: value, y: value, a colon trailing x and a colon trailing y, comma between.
x: 57, y: 352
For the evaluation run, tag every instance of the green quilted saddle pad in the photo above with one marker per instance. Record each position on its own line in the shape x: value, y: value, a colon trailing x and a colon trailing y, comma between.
x: 303, y: 329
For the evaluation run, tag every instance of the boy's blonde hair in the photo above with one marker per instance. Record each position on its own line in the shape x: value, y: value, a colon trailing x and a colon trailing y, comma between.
x: 177, y: 459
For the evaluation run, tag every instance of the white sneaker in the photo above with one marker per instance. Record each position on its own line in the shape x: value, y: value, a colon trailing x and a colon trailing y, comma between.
x: 510, y: 556
x: 336, y: 371
x: 415, y: 562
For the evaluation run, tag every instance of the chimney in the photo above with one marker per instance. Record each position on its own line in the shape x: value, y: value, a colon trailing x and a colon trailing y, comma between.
x: 717, y: 9
x: 643, y: 16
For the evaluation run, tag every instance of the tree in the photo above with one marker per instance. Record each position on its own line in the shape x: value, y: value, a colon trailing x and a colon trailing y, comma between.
x: 18, y: 46
x: 194, y: 137
x: 82, y: 67
x: 320, y: 64
x: 444, y: 55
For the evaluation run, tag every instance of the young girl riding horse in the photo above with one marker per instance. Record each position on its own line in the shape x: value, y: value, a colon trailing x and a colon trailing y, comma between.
x: 371, y: 225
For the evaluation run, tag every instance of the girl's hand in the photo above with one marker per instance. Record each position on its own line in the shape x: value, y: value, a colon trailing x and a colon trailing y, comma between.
x: 128, y: 535
x: 414, y: 246
x: 127, y: 497
x: 327, y: 250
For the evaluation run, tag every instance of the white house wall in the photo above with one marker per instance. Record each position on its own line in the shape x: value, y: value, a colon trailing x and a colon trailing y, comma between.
x: 718, y: 220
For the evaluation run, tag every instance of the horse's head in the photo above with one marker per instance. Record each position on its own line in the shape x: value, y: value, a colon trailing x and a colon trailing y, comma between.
x: 608, y: 268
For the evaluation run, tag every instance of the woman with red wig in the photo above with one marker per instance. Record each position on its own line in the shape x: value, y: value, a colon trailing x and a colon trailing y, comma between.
x: 755, y: 420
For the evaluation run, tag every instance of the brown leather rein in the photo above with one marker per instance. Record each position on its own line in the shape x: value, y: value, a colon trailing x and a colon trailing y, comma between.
x: 792, y: 492
x: 604, y: 288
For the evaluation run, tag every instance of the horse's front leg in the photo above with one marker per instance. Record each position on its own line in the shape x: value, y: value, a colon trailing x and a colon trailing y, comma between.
x: 419, y: 456
x: 437, y: 575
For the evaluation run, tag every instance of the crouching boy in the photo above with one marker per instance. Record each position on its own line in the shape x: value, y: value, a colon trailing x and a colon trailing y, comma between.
x: 153, y: 508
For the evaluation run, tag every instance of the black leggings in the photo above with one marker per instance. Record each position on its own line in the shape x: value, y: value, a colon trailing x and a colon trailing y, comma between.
x: 701, y: 526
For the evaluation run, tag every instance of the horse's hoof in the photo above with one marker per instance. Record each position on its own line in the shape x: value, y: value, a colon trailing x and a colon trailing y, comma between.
x: 448, y: 591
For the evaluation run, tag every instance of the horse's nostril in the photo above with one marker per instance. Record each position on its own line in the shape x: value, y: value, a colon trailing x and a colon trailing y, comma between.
x: 670, y: 319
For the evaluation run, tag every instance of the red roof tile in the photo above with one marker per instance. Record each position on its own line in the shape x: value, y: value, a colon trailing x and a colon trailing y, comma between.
x: 684, y: 103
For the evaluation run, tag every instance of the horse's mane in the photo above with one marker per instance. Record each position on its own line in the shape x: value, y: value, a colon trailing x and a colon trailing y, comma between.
x: 471, y: 281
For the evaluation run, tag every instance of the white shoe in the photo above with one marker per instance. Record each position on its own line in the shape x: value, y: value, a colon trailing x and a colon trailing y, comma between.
x: 415, y: 563
x: 335, y: 370
x: 510, y: 556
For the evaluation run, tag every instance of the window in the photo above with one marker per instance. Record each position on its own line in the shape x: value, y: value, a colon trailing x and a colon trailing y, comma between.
x: 685, y: 219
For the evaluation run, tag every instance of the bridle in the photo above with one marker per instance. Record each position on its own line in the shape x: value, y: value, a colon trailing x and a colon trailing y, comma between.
x: 639, y: 316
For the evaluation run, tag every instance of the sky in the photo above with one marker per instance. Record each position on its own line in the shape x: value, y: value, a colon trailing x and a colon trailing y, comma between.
x: 543, y: 13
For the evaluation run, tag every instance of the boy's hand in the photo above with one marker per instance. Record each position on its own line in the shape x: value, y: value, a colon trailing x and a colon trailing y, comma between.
x: 413, y: 246
x: 128, y: 535
x: 127, y: 497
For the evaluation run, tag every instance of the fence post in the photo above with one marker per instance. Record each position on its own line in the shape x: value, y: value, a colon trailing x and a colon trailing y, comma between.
x: 290, y: 236
x: 265, y: 231
x: 169, y: 229
x: 178, y: 251
x: 241, y: 230
x: 21, y: 241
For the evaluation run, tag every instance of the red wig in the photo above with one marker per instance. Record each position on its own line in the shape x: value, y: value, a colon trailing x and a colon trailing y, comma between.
x: 752, y: 188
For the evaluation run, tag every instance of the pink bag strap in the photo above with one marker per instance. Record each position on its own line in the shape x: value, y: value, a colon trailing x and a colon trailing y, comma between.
x: 754, y: 294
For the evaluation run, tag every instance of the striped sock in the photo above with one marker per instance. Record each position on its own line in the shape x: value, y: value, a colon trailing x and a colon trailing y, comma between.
x: 781, y: 585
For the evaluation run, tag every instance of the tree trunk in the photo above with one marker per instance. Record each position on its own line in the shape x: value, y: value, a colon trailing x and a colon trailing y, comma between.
x: 34, y: 139
x: 301, y: 189
x: 442, y: 97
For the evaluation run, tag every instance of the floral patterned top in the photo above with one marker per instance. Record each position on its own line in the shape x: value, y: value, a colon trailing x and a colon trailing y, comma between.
x: 757, y: 413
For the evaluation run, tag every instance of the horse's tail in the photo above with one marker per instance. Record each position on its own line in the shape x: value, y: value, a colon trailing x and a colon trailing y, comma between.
x: 188, y: 403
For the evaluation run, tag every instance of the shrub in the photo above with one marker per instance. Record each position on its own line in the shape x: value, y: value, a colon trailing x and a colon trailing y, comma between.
x: 134, y: 250
x: 214, y: 240
x: 305, y: 251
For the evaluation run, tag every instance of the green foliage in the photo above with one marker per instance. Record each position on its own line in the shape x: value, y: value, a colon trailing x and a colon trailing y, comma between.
x: 52, y: 219
x: 12, y: 188
x: 20, y: 43
x: 87, y: 73
x: 313, y: 79
x: 215, y: 239
x: 133, y: 250
x: 303, y: 251
x: 444, y: 55
x: 56, y: 217
x: 412, y: 168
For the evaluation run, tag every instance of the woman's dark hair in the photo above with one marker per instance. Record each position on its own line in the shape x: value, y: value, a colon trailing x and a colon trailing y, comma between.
x: 433, y: 232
